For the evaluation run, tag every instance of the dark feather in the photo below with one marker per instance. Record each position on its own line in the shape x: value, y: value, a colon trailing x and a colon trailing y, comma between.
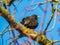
x: 30, y: 21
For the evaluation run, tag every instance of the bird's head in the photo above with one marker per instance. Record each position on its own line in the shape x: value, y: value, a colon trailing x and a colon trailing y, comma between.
x: 35, y: 16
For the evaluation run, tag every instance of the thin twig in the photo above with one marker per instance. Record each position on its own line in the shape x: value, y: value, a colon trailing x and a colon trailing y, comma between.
x: 16, y: 38
x: 44, y: 16
x: 51, y: 17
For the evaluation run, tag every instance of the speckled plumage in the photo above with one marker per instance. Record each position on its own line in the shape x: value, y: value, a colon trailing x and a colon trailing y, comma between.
x: 30, y: 21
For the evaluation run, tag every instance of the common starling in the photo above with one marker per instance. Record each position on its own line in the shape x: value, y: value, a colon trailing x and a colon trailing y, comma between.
x: 30, y: 21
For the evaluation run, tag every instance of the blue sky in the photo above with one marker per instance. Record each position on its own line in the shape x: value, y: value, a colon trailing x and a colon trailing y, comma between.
x: 21, y: 13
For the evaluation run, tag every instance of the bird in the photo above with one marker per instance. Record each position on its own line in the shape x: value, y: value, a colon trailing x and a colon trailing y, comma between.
x: 30, y: 21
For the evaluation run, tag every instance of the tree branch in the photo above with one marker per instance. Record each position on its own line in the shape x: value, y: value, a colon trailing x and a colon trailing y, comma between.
x: 22, y: 29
